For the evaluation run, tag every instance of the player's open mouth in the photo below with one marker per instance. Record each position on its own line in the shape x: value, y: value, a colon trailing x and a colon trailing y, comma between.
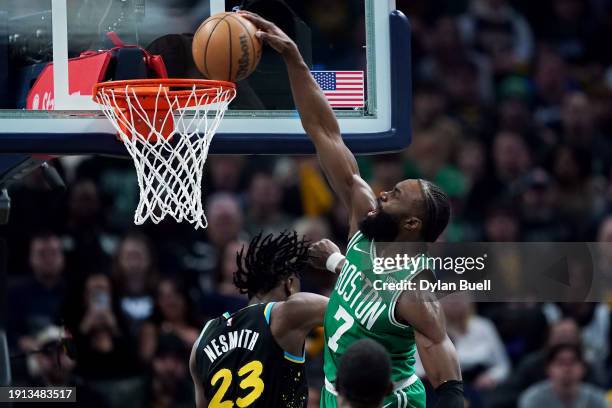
x: 372, y: 212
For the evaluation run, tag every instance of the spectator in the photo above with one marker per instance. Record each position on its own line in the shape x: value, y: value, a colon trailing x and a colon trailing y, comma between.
x: 579, y: 130
x: 511, y: 157
x: 448, y: 53
x: 174, y: 314
x: 387, y: 171
x: 225, y: 225
x: 593, y: 319
x: 117, y: 183
x: 513, y: 112
x: 225, y: 277
x: 552, y: 81
x: 170, y: 384
x: 104, y: 351
x: 135, y: 277
x: 85, y: 238
x: 312, y: 228
x: 225, y: 174
x: 493, y: 28
x: 483, y: 360
x: 573, y: 193
x: 264, y: 206
x: 532, y: 368
x: 431, y: 111
x: 570, y: 30
x: 225, y: 219
x: 473, y: 163
x: 564, y: 388
x: 539, y: 214
x: 224, y: 297
x: 36, y: 302
x: 28, y: 216
x: 50, y: 366
x: 501, y: 224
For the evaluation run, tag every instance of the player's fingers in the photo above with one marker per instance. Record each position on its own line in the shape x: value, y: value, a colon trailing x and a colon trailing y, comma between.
x: 274, y: 41
x: 256, y: 19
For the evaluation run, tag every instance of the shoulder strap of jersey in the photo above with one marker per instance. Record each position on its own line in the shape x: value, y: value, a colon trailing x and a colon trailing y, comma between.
x: 354, y: 239
x: 268, y: 311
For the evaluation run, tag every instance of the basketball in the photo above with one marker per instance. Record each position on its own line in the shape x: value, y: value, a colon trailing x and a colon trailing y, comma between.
x: 225, y: 47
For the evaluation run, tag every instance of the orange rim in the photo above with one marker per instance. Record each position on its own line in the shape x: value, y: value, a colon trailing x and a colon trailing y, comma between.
x: 143, y: 87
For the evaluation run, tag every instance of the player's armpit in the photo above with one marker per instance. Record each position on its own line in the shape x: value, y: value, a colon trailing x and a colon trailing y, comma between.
x: 422, y: 311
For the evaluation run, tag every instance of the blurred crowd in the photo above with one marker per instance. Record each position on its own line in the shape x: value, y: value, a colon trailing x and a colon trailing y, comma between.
x: 512, y: 117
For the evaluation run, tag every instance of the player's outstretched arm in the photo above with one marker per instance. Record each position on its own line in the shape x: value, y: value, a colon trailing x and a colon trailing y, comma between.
x: 319, y: 121
x: 422, y: 311
x: 199, y: 391
x: 294, y: 318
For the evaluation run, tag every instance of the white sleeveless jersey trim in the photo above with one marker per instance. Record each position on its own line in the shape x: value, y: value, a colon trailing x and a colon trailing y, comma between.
x: 394, y: 299
x: 197, y: 342
x: 356, y: 237
x: 391, y: 312
x: 397, y: 385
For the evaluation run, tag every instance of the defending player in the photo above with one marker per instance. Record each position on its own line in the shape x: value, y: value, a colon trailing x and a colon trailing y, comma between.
x: 414, y: 211
x: 255, y: 356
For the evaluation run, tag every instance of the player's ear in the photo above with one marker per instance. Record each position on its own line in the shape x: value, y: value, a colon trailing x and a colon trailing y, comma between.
x: 287, y: 285
x: 412, y: 224
x: 292, y: 285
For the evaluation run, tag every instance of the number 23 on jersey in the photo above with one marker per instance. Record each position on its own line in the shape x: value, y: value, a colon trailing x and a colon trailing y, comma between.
x: 250, y: 379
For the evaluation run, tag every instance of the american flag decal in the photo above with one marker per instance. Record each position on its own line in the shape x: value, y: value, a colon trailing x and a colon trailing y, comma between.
x: 343, y: 89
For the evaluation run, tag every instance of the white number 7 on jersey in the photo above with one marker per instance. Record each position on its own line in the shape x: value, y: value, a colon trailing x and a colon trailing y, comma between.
x: 341, y: 314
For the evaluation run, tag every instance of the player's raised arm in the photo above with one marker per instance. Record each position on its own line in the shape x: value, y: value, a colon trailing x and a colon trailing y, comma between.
x: 422, y: 311
x: 319, y: 122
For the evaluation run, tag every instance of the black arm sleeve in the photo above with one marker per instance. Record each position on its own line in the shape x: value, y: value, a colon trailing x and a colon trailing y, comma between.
x: 450, y: 395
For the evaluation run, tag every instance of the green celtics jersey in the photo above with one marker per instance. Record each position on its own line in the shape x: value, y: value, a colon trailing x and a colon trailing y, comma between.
x: 360, y: 307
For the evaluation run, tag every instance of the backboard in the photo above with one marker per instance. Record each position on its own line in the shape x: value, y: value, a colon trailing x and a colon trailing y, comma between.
x: 365, y: 39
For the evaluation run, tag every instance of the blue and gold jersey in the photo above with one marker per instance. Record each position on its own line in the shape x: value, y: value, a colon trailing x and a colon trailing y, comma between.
x: 240, y: 363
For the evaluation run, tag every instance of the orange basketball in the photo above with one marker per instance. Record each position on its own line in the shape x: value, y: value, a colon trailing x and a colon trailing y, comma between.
x: 225, y: 47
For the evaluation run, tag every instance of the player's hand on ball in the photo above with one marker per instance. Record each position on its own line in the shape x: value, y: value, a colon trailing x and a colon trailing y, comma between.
x: 320, y: 251
x: 270, y: 33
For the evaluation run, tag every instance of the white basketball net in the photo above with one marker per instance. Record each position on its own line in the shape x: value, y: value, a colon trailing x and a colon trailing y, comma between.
x: 169, y: 169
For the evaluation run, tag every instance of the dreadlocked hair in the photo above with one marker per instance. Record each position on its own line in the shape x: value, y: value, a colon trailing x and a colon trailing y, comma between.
x: 268, y: 260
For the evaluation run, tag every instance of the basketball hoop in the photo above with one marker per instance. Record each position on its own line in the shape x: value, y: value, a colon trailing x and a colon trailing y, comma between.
x: 167, y: 126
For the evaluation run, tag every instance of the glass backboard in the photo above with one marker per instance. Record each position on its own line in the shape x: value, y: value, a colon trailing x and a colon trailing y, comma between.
x: 50, y: 53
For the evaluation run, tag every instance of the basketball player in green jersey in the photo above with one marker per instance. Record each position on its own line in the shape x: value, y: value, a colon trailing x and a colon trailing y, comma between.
x: 414, y: 211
